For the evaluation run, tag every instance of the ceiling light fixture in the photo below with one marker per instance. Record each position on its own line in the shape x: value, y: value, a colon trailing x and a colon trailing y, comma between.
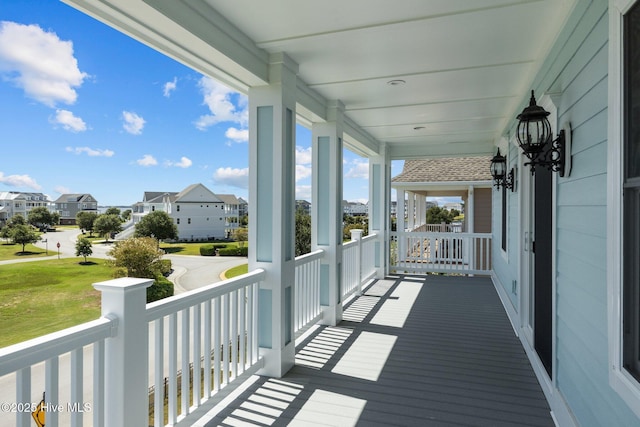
x: 396, y: 82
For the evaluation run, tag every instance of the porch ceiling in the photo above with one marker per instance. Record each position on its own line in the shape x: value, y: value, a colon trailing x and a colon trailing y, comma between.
x: 467, y: 65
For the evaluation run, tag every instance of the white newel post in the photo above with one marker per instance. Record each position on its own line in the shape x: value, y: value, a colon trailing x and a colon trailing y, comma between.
x: 326, y: 220
x: 126, y: 354
x: 356, y: 235
x: 272, y: 121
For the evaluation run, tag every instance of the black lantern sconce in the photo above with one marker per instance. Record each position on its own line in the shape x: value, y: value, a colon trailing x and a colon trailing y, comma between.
x: 499, y: 172
x: 535, y: 139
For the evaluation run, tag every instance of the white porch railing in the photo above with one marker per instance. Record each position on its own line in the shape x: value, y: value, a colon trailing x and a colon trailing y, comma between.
x: 358, y: 264
x: 440, y: 228
x: 161, y: 361
x: 307, y: 309
x: 465, y: 253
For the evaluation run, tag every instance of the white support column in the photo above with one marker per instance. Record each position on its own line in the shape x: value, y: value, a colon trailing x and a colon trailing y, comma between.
x: 356, y: 235
x: 400, y: 225
x: 326, y: 219
x: 468, y: 210
x: 380, y: 208
x: 272, y: 120
x: 421, y: 210
x: 126, y: 354
x: 411, y: 210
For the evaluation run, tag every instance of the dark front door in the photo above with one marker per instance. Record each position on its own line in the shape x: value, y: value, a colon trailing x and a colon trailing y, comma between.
x: 542, y: 248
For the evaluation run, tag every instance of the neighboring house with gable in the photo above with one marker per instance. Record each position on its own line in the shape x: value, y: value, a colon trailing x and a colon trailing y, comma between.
x: 17, y: 202
x: 68, y: 206
x: 231, y: 213
x: 196, y: 210
x: 466, y: 177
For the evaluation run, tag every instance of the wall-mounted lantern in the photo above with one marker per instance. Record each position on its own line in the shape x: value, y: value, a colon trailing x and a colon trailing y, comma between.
x: 499, y: 172
x: 535, y: 139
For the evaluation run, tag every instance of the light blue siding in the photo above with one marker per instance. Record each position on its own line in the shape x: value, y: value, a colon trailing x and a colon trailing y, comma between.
x: 576, y: 70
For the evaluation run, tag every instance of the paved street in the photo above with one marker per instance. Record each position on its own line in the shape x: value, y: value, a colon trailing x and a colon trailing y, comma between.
x: 189, y: 272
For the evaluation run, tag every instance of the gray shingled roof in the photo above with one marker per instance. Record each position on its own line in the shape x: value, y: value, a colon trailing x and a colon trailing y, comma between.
x: 454, y: 169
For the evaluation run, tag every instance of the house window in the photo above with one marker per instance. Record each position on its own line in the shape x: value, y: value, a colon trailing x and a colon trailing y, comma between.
x: 178, y: 208
x: 153, y: 208
x: 631, y: 196
x: 188, y: 220
x: 178, y: 221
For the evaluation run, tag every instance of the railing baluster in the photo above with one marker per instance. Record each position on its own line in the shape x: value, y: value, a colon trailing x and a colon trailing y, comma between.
x: 173, y: 368
x: 98, y: 384
x: 217, y: 352
x: 225, y: 338
x: 184, y: 393
x: 242, y: 301
x: 23, y: 395
x: 75, y: 368
x: 207, y: 349
x: 234, y: 333
x: 158, y: 390
x: 51, y: 389
x: 197, y: 354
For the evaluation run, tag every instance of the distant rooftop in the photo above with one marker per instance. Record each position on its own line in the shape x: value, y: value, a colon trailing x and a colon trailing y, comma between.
x: 450, y: 169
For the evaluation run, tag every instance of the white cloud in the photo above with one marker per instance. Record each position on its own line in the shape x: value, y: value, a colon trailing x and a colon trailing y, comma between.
x: 39, y: 63
x: 60, y: 189
x: 169, y: 87
x: 303, y: 156
x: 303, y: 192
x: 231, y: 176
x: 133, y: 123
x: 90, y: 151
x: 147, y: 160
x: 19, y: 181
x: 359, y: 169
x: 218, y: 99
x: 184, y: 162
x: 69, y: 121
x: 237, y: 135
x: 303, y: 172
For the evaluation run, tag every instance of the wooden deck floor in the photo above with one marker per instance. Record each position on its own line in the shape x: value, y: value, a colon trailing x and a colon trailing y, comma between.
x: 412, y: 351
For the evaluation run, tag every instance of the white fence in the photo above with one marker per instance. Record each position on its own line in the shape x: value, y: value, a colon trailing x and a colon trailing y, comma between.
x: 465, y: 253
x: 307, y: 309
x: 215, y: 329
x: 163, y: 360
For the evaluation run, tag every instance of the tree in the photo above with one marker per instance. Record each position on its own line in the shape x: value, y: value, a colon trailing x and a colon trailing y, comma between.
x: 241, y: 235
x: 126, y: 215
x: 83, y: 248
x: 40, y: 217
x: 438, y: 215
x: 140, y: 256
x: 85, y: 221
x: 23, y: 235
x: 112, y: 211
x: 303, y: 233
x: 157, y: 224
x: 15, y: 220
x: 106, y: 224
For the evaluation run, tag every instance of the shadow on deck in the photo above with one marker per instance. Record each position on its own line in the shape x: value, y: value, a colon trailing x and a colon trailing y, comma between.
x: 413, y: 350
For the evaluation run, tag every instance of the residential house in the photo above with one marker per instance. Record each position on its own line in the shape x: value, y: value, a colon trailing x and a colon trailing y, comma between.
x: 466, y: 177
x: 16, y: 202
x: 68, y: 206
x: 304, y: 206
x: 198, y: 213
x: 243, y: 207
x: 355, y: 208
x: 231, y: 213
x: 408, y: 80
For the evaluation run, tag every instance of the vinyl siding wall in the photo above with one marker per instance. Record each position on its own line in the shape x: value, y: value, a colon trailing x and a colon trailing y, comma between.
x: 576, y: 69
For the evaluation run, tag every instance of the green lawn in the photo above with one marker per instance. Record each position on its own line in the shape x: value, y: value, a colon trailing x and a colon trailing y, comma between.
x: 11, y: 251
x: 237, y: 271
x: 188, y: 248
x: 37, y: 298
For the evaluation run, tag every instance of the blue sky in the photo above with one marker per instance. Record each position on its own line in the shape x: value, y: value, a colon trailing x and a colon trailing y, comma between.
x: 86, y: 109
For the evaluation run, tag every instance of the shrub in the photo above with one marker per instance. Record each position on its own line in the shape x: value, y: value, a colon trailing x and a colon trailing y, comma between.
x: 163, y: 267
x: 234, y: 251
x: 210, y: 249
x: 161, y: 288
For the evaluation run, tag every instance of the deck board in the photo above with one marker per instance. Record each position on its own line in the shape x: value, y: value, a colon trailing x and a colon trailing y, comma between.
x: 441, y: 353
